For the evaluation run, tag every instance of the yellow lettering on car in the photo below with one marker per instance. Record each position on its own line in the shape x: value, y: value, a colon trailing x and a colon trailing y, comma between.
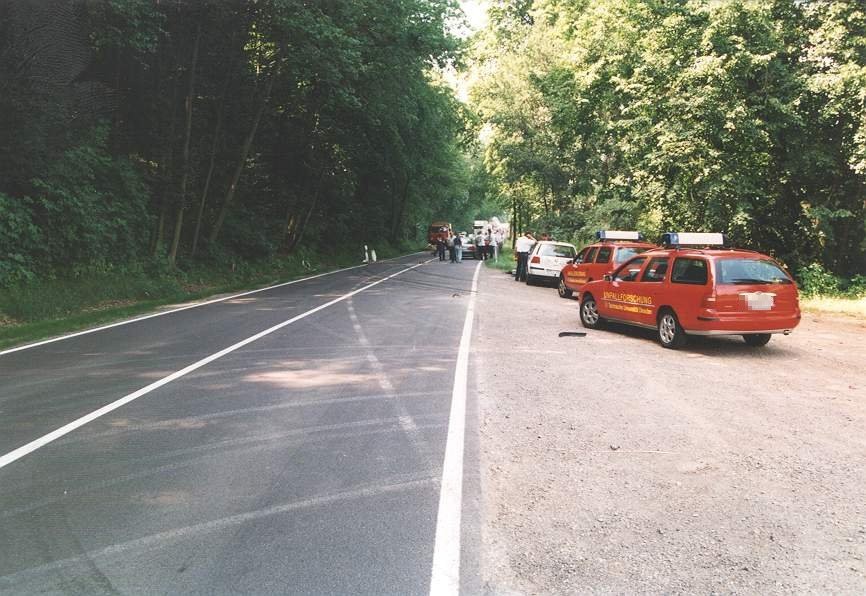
x: 632, y: 309
x: 626, y: 298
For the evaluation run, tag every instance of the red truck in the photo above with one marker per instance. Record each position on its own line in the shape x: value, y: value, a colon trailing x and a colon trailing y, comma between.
x: 437, y: 230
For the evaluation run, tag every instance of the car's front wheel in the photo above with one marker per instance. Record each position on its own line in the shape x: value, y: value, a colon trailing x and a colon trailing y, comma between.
x: 562, y: 289
x: 671, y: 334
x: 756, y: 340
x: 589, y: 316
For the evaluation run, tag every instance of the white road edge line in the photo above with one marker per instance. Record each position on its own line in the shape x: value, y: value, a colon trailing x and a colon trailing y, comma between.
x: 196, y: 305
x: 68, y: 428
x: 445, y: 575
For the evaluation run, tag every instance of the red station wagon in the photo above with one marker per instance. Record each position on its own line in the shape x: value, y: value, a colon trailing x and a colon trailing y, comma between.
x: 614, y: 247
x: 682, y: 290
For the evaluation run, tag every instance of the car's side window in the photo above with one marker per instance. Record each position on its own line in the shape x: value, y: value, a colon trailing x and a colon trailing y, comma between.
x: 590, y: 255
x: 689, y: 271
x: 603, y: 255
x: 630, y: 270
x: 656, y: 270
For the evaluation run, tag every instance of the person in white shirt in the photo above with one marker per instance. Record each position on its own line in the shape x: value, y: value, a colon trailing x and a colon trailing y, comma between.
x: 495, y: 241
x: 522, y: 246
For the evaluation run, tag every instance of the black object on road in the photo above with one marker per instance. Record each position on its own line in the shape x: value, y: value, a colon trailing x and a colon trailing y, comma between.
x: 572, y: 334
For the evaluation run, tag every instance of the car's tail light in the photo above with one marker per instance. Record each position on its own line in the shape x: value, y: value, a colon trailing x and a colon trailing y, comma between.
x: 535, y: 259
x: 708, y: 301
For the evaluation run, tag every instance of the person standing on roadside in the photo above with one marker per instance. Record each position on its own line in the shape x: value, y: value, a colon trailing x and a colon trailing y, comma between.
x: 458, y: 247
x: 452, y: 254
x: 522, y: 246
x: 440, y: 248
x: 481, y: 245
x: 495, y: 242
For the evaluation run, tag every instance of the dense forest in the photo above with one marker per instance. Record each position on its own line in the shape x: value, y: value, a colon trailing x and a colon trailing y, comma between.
x: 183, y: 132
x: 741, y: 116
x: 175, y: 130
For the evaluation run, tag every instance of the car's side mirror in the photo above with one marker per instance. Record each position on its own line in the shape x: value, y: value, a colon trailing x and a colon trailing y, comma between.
x: 607, y: 277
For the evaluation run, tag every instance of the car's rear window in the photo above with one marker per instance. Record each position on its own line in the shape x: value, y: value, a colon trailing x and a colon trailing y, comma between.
x: 624, y: 253
x: 556, y: 250
x: 750, y: 271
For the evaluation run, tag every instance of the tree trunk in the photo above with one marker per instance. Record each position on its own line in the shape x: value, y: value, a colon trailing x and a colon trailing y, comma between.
x: 213, y: 152
x: 184, y: 178
x: 301, y: 226
x: 245, y: 149
x: 167, y: 171
x: 397, y: 214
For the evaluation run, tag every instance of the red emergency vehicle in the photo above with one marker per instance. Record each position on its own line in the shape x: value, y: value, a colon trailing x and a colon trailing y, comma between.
x: 613, y: 248
x: 695, y: 286
x: 437, y: 230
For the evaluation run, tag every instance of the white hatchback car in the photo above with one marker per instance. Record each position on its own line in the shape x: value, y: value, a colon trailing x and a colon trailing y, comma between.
x: 546, y: 260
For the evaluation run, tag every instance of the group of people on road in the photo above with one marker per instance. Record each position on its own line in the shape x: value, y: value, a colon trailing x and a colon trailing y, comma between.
x: 486, y: 243
x: 454, y: 246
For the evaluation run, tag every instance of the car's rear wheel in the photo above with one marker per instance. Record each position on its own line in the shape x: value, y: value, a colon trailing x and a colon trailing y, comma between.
x: 562, y: 289
x: 589, y: 316
x: 671, y: 334
x: 530, y: 280
x: 756, y: 340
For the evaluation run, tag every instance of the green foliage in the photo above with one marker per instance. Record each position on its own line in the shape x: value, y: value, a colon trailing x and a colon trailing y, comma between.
x: 243, y: 131
x: 740, y: 116
x: 90, y: 207
x: 817, y: 281
x: 21, y: 237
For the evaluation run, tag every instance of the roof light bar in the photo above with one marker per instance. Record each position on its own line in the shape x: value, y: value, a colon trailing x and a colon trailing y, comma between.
x: 693, y: 239
x: 618, y: 235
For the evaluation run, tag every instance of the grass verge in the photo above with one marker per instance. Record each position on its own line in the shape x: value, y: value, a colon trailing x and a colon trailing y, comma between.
x: 852, y: 307
x: 506, y: 260
x: 53, y: 307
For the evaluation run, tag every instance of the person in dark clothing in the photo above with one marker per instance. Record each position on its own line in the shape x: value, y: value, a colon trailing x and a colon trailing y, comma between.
x: 440, y: 248
x: 522, y: 247
x: 452, y: 254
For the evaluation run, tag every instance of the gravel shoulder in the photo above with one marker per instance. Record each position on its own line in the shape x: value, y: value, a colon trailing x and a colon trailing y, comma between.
x: 611, y: 465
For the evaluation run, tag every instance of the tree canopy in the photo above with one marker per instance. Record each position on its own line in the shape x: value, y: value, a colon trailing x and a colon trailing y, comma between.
x: 138, y: 129
x: 742, y: 116
x: 135, y: 129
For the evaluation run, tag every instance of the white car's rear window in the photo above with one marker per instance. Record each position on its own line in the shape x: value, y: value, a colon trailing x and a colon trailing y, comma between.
x: 556, y: 250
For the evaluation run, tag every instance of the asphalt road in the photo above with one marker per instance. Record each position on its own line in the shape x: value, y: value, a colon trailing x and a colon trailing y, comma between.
x: 307, y: 461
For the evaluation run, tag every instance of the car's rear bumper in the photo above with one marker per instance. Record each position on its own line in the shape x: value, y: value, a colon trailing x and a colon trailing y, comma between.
x: 712, y: 323
x: 543, y: 272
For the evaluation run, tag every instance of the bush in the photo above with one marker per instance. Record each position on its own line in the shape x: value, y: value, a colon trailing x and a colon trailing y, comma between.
x: 91, y: 207
x: 19, y: 242
x: 817, y: 281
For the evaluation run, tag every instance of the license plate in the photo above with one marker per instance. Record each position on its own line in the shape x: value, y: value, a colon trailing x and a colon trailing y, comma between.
x: 758, y: 300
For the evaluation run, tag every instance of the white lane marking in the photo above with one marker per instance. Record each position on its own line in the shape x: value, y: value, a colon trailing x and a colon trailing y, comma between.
x: 68, y: 428
x: 174, y: 310
x: 445, y: 575
x: 406, y: 422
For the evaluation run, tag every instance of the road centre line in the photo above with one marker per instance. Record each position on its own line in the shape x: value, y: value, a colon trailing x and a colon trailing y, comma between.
x: 189, y: 306
x: 32, y: 446
x: 445, y: 574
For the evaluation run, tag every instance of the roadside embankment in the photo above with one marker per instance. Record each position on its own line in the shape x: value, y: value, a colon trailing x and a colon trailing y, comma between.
x: 59, y: 304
